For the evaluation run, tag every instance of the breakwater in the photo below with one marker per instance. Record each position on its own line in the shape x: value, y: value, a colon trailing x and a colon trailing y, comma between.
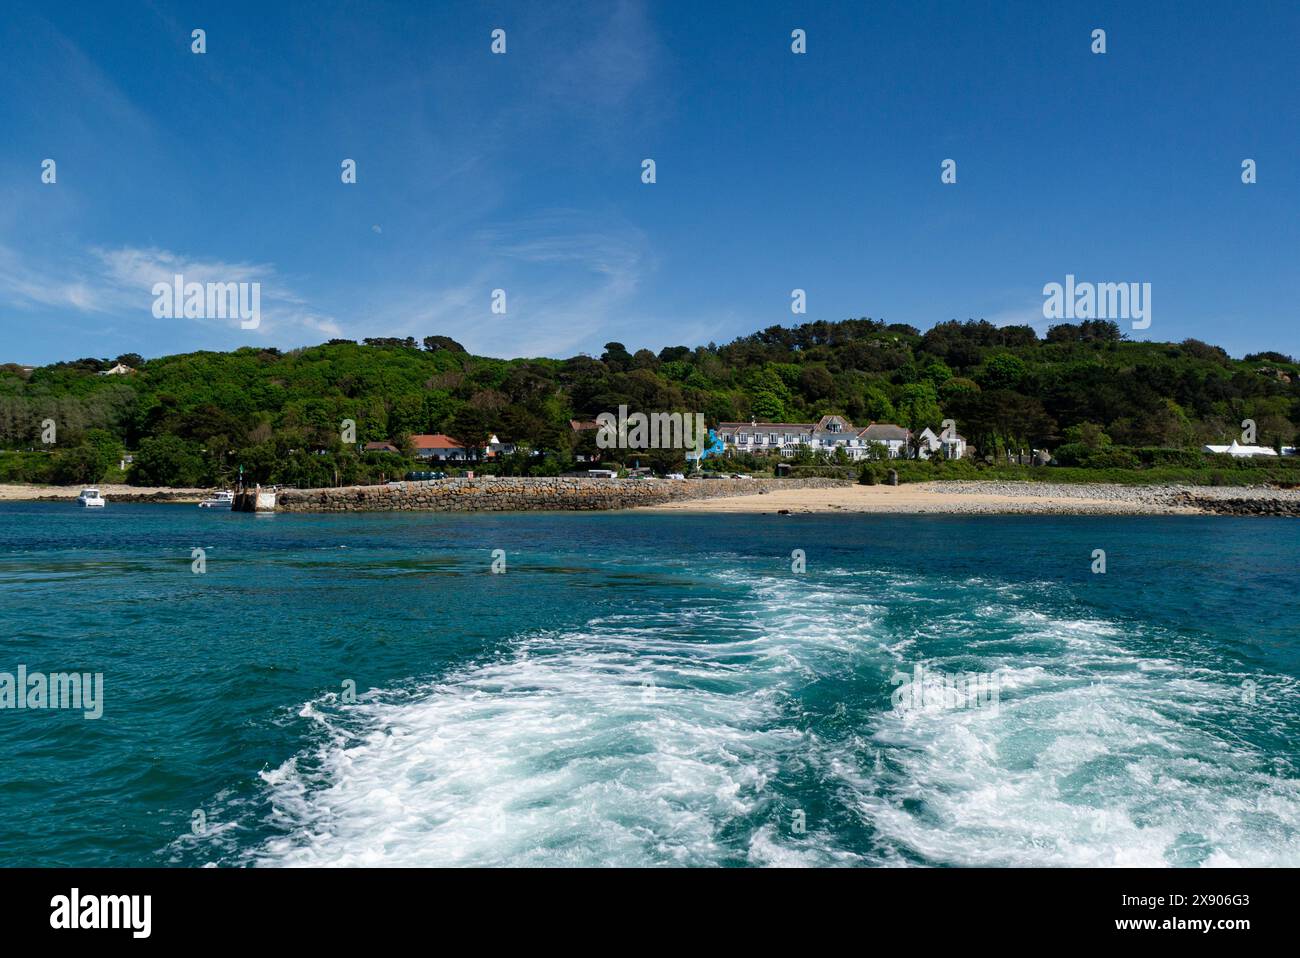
x: 494, y: 494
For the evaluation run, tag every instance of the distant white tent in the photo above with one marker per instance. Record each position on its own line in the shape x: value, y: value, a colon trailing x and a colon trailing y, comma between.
x: 1238, y: 451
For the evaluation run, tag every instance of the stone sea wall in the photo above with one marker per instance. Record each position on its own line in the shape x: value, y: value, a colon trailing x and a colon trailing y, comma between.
x: 489, y: 494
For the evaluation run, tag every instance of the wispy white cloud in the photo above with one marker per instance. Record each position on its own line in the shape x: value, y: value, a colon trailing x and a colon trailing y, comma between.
x: 25, y: 287
x: 119, y: 282
x: 570, y: 277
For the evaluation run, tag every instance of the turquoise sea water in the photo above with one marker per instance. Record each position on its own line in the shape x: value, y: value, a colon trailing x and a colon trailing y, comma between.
x: 649, y: 690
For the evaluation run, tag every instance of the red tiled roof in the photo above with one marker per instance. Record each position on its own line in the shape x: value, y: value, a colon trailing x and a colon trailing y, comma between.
x: 436, y: 441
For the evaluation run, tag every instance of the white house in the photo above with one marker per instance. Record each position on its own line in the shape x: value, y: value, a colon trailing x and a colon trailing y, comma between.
x: 495, y: 447
x: 826, y: 435
x: 120, y: 369
x: 1238, y: 451
x: 930, y: 443
x: 439, y: 446
x: 894, y: 439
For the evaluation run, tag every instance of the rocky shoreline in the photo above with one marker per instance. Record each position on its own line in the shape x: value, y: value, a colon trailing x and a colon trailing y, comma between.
x: 1156, y: 499
x: 510, y: 494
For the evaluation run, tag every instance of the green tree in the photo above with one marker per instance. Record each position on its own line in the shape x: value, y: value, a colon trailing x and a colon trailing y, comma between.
x: 1003, y: 371
x: 470, y: 426
x: 816, y: 382
x: 167, y: 461
x: 434, y: 343
x: 91, y: 460
x: 1088, y: 434
x: 767, y: 406
x: 918, y: 406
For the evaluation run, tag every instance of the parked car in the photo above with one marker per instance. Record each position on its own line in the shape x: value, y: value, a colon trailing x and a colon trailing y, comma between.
x: 420, y: 476
x: 740, y: 475
x: 674, y: 475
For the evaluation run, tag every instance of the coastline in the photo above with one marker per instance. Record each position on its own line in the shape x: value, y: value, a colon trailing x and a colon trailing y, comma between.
x: 991, y: 497
x: 774, y: 497
x: 112, y: 491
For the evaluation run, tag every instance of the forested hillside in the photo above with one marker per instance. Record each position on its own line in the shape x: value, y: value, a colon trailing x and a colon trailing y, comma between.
x: 191, y: 419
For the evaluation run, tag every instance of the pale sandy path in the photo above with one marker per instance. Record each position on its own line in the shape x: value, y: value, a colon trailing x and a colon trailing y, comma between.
x: 13, y: 492
x: 931, y: 498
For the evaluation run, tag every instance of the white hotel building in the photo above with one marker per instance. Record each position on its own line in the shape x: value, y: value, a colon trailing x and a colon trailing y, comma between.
x: 825, y: 435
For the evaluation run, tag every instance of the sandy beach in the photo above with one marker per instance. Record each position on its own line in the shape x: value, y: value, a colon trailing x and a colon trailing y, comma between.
x: 990, y: 498
x: 15, y: 492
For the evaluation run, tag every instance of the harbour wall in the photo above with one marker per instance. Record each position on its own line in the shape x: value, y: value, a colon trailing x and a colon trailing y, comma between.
x: 501, y: 494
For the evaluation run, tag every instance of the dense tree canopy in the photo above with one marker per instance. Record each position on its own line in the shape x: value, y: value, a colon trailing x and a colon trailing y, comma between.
x: 197, y: 417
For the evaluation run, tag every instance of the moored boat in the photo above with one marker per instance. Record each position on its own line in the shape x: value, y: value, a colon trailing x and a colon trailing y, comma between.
x: 224, y: 499
x: 91, y: 499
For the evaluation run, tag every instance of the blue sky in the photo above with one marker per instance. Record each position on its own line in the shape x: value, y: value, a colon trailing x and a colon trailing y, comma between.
x: 523, y: 171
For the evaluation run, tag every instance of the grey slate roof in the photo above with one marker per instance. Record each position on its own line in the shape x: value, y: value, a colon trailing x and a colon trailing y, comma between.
x: 883, y: 432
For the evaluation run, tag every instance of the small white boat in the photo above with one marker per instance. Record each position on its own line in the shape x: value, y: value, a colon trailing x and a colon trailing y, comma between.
x: 224, y: 499
x: 91, y: 499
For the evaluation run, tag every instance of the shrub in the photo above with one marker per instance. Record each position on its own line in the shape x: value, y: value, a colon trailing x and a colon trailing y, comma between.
x: 1112, y: 457
x: 1156, y: 456
x: 919, y: 470
x: 821, y: 471
x: 955, y: 469
x: 1101, y: 457
x: 1072, y: 454
x: 26, y: 467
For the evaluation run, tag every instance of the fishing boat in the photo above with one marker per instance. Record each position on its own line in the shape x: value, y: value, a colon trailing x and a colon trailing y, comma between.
x: 91, y: 499
x: 224, y: 499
